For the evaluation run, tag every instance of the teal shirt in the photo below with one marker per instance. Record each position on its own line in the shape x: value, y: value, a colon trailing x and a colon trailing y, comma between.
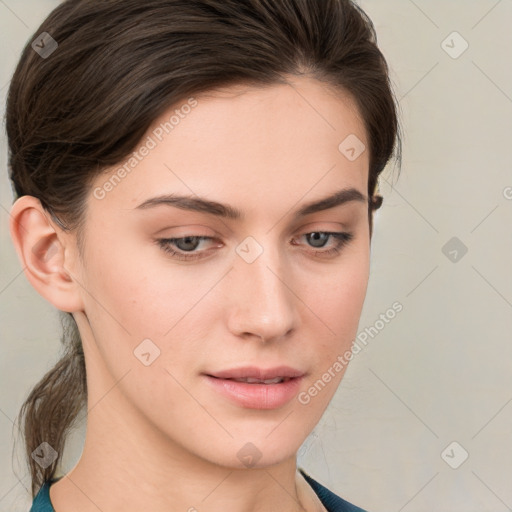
x: 331, y: 501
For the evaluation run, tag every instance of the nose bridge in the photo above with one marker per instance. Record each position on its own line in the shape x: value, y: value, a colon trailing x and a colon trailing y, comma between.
x: 264, y: 303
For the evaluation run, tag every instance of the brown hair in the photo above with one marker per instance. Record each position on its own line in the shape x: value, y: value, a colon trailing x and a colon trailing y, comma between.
x: 119, y: 64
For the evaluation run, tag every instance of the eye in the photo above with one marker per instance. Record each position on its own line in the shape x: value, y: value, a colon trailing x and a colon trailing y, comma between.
x: 186, y: 246
x: 318, y: 239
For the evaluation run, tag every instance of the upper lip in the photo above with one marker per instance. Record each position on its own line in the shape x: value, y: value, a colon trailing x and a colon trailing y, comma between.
x: 257, y: 373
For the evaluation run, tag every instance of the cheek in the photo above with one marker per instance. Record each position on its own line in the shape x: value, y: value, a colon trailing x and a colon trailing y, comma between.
x: 137, y: 308
x: 134, y: 290
x: 337, y: 301
x: 338, y: 291
x: 346, y: 297
x: 135, y: 297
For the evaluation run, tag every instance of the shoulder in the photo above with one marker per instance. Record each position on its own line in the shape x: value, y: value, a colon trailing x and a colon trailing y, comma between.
x: 332, y: 502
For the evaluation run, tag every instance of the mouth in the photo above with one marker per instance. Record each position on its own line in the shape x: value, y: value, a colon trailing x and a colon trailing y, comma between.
x: 257, y: 388
x: 255, y: 374
x: 252, y: 380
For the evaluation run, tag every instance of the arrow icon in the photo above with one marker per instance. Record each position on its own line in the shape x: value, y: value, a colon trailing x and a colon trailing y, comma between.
x: 249, y: 455
x: 44, y: 44
x: 146, y: 352
x: 454, y: 249
x: 247, y: 252
x: 454, y: 455
x: 44, y: 454
x: 454, y: 45
x: 351, y: 147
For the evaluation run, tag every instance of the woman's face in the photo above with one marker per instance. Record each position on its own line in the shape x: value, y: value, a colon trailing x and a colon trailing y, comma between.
x: 264, y: 288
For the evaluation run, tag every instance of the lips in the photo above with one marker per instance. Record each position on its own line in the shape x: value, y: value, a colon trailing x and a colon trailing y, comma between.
x: 250, y: 380
x: 257, y: 388
x: 253, y: 374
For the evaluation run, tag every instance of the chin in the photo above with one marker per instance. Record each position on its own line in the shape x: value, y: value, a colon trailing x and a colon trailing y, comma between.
x: 252, y: 451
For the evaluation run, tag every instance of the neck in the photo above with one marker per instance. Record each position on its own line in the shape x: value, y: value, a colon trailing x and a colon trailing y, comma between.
x: 128, y: 464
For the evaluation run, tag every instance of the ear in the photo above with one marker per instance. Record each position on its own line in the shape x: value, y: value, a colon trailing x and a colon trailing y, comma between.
x: 47, y: 254
x: 375, y: 204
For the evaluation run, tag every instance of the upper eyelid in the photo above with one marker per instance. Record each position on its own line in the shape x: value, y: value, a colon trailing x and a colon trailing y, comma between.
x: 346, y: 226
x: 216, y: 237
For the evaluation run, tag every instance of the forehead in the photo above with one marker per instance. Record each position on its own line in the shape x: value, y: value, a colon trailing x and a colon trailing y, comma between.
x: 246, y: 145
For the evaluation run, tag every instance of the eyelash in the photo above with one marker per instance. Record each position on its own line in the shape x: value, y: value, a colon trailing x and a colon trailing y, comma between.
x: 342, y: 239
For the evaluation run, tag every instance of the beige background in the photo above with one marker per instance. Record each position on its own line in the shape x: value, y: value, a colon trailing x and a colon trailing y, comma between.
x: 440, y: 371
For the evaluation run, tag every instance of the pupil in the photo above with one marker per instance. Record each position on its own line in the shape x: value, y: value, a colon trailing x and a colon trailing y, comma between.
x: 315, y: 237
x: 189, y: 240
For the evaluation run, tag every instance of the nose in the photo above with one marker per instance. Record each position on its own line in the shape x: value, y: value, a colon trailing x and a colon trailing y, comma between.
x: 263, y: 304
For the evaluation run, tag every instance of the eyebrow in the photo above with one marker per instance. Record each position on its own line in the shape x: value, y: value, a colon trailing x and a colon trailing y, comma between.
x: 198, y: 204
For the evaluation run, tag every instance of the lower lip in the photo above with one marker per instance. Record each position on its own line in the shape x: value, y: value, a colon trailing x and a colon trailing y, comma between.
x: 257, y: 396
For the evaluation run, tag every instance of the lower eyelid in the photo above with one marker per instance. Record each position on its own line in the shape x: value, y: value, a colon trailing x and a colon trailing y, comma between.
x: 334, y: 236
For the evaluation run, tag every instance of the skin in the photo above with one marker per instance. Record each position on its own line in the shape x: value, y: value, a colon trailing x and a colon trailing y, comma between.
x: 266, y: 151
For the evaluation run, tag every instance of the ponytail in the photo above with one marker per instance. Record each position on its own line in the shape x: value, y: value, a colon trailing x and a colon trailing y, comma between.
x: 52, y: 407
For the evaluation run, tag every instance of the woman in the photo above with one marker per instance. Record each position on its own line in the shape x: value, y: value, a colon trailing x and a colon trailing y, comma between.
x: 195, y: 184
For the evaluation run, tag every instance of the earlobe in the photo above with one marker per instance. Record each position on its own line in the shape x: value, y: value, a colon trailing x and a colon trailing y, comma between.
x: 42, y: 251
x: 375, y: 203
